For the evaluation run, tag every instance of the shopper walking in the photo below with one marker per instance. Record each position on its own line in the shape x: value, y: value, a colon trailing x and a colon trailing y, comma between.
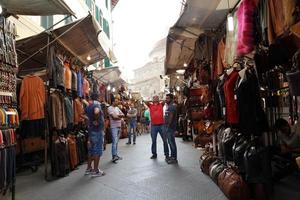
x: 132, y: 120
x: 157, y: 122
x: 115, y: 117
x: 148, y: 120
x: 95, y: 118
x: 170, y: 127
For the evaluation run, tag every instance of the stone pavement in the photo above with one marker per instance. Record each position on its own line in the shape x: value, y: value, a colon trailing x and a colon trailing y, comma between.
x: 135, y: 177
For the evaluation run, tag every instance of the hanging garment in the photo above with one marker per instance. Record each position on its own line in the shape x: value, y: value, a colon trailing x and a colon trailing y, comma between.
x: 230, y: 100
x: 72, y: 152
x: 245, y: 15
x: 79, y: 84
x: 86, y: 87
x: 252, y: 119
x: 57, y: 111
x: 203, y: 49
x: 32, y: 98
x: 78, y: 111
x: 74, y: 81
x: 263, y: 21
x: 221, y: 57
x: 68, y: 76
x: 276, y: 20
x: 69, y: 111
x: 32, y: 128
x: 60, y: 157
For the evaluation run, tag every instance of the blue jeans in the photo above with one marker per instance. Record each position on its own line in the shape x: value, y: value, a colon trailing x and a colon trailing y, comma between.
x: 115, y: 135
x: 158, y: 129
x: 171, y: 140
x: 131, y: 131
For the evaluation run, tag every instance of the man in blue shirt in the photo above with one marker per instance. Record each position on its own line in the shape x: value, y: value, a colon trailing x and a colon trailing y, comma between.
x: 170, y: 116
x: 95, y: 141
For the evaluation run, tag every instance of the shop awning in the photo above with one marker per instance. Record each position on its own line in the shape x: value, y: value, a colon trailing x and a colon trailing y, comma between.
x: 107, y: 75
x: 197, y: 17
x: 36, y: 7
x: 80, y: 38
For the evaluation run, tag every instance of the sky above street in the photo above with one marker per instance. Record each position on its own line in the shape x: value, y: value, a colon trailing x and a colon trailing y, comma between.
x: 138, y: 25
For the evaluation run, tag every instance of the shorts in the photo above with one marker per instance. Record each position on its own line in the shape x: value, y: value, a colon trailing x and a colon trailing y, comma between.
x: 147, y: 122
x: 96, y: 144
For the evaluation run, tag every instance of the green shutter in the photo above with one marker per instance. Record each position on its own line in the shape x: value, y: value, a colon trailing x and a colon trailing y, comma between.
x: 89, y: 3
x: 107, y: 62
x: 106, y: 27
x: 106, y: 3
x: 44, y: 22
x: 50, y: 20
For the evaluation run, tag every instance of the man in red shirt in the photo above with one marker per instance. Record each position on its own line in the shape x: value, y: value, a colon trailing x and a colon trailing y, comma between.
x: 157, y: 122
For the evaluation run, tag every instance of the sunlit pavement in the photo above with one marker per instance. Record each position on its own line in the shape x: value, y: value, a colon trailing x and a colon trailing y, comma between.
x: 135, y: 177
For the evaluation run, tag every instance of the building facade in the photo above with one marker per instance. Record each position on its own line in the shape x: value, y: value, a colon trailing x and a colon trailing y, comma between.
x: 147, y: 79
x: 100, y: 9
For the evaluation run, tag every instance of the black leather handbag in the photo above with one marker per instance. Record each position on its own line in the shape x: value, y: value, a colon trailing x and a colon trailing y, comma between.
x: 257, y: 161
x: 227, y: 144
x: 238, y: 151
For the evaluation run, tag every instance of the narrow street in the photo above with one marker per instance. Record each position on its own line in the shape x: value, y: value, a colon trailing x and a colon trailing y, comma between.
x: 135, y: 177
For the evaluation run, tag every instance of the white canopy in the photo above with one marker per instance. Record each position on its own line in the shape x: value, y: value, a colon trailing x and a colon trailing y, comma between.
x: 36, y: 7
x: 197, y: 17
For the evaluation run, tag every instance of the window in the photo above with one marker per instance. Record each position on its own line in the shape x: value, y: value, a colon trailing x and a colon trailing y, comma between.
x: 46, y: 21
x: 106, y: 27
x: 68, y: 20
x: 99, y: 16
x: 107, y: 62
x: 106, y: 3
x: 89, y: 3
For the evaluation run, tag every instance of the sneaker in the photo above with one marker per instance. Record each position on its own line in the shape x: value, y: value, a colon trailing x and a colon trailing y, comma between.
x: 128, y: 143
x: 119, y: 158
x: 134, y: 143
x: 88, y: 172
x: 98, y: 173
x: 153, y: 157
x: 172, y: 161
x: 115, y: 159
x: 167, y: 158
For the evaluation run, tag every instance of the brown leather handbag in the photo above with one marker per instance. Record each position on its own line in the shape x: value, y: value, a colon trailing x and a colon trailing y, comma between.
x: 206, y: 160
x: 202, y: 139
x: 233, y: 185
x: 197, y: 115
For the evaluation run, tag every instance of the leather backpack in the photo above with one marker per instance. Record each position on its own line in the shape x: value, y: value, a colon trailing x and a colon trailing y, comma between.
x: 206, y: 160
x: 233, y: 185
x: 215, y: 169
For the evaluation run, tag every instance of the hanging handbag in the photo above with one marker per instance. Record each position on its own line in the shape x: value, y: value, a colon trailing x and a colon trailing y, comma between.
x: 293, y: 76
x: 233, y: 185
x: 205, y: 161
x: 238, y: 151
x: 215, y: 169
x: 197, y: 115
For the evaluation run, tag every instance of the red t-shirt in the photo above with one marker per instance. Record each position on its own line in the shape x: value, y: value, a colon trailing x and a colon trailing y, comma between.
x: 156, y: 113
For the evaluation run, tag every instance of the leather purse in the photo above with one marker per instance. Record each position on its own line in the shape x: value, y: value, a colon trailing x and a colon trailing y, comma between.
x: 206, y: 160
x: 197, y: 115
x: 203, y: 139
x: 215, y: 169
x: 233, y: 185
x: 238, y: 151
